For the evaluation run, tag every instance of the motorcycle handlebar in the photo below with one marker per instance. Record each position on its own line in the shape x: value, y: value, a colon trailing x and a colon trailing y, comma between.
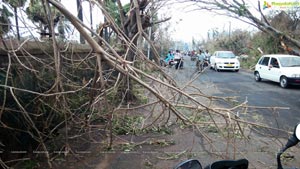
x: 242, y: 163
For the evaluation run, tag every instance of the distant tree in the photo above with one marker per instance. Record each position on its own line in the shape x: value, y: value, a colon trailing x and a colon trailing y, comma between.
x: 91, y: 14
x: 37, y: 13
x: 113, y: 10
x: 5, y: 23
x: 240, y: 10
x: 236, y: 42
x: 162, y: 38
x: 80, y: 16
x: 15, y: 5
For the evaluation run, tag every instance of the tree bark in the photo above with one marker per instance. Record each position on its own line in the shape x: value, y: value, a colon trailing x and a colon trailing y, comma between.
x: 80, y: 17
x: 17, y: 23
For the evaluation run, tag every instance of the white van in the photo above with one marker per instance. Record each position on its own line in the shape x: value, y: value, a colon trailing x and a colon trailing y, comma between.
x: 284, y: 69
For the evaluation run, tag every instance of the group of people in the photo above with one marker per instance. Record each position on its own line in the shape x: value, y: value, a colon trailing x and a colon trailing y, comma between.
x: 203, y: 55
x: 203, y: 60
x: 174, y: 58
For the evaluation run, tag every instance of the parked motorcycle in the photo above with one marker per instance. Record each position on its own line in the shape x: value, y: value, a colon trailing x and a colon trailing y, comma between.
x: 241, y: 163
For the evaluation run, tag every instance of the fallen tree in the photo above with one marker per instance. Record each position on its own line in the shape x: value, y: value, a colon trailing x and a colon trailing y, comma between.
x: 71, y: 96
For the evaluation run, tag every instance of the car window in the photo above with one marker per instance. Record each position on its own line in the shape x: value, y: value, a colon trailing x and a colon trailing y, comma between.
x: 274, y: 63
x: 264, y: 61
x: 225, y: 55
x: 289, y: 61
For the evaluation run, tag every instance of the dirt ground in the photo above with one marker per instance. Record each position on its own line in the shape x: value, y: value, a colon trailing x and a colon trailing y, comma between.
x: 164, y: 147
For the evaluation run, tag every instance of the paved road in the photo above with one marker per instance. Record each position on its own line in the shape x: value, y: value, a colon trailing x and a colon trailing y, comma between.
x: 265, y: 93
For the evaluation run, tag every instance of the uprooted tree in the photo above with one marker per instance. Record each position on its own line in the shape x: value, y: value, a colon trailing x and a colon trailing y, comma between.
x: 43, y: 86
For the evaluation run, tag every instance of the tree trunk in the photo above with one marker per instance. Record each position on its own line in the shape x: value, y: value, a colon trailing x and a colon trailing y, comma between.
x: 91, y: 16
x: 80, y: 17
x: 17, y: 23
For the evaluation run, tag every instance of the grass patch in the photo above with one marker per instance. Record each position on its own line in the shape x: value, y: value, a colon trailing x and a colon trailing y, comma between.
x: 127, y: 125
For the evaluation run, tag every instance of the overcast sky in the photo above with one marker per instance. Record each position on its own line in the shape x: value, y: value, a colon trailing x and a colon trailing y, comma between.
x: 196, y: 24
x: 185, y: 25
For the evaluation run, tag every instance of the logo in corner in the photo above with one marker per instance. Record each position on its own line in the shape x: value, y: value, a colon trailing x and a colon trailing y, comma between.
x: 266, y: 5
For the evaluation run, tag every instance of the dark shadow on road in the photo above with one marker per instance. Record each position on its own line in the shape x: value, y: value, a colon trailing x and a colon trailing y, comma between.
x: 275, y: 84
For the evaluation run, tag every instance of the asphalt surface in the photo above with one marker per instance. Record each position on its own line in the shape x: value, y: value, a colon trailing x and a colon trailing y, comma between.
x: 257, y: 94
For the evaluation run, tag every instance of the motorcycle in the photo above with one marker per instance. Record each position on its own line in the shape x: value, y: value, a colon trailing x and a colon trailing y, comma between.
x: 292, y: 141
x: 169, y: 63
x: 241, y: 163
x: 172, y: 62
x: 206, y: 62
x: 222, y: 164
x: 202, y: 64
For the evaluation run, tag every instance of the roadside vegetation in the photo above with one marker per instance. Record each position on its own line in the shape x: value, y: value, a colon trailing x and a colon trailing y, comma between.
x: 58, y: 96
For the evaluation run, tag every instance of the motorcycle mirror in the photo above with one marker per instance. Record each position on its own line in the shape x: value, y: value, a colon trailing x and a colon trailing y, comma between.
x: 189, y: 164
x: 297, y: 131
x: 292, y: 141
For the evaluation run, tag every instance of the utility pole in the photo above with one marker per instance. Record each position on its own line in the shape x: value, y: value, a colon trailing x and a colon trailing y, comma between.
x: 150, y: 32
x: 229, y: 29
x: 17, y: 23
x: 91, y: 15
x: 80, y: 17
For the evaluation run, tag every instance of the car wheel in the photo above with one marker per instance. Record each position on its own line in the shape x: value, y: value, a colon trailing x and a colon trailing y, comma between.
x: 283, y: 82
x: 257, y: 77
x: 237, y: 70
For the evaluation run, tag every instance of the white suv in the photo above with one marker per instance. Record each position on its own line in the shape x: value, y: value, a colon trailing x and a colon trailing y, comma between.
x: 224, y: 60
x: 284, y: 69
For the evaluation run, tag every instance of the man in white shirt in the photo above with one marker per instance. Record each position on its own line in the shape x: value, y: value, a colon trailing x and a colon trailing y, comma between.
x: 178, y: 59
x: 207, y: 55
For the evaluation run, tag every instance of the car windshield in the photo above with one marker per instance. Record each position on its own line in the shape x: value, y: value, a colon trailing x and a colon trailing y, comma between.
x: 289, y: 61
x: 226, y: 55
